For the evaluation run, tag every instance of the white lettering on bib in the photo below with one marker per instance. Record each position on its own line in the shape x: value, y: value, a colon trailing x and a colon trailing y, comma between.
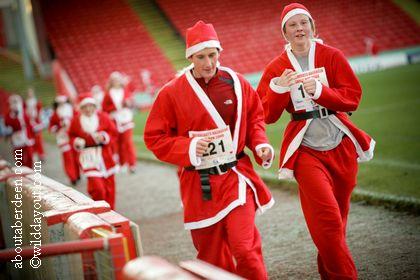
x: 90, y: 158
x: 300, y: 99
x: 220, y: 149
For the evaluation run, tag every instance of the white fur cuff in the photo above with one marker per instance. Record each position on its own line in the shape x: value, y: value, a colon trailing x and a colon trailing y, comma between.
x: 79, y: 143
x: 266, y: 164
x: 276, y: 88
x: 318, y: 90
x: 195, y: 161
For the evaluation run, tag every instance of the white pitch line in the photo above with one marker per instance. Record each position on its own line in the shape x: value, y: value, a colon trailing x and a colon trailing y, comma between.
x: 382, y: 108
x: 395, y: 163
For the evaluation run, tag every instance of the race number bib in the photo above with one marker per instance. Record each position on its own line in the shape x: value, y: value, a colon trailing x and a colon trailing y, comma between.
x: 90, y: 158
x: 123, y: 116
x: 300, y: 99
x: 220, y: 149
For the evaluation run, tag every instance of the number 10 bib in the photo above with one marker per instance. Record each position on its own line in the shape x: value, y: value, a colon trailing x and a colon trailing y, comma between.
x: 300, y: 99
x: 220, y: 149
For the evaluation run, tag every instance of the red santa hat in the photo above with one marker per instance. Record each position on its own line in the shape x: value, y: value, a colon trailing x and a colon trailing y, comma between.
x: 202, y: 35
x: 86, y: 98
x: 116, y: 75
x: 14, y: 98
x: 292, y: 10
x: 15, y: 102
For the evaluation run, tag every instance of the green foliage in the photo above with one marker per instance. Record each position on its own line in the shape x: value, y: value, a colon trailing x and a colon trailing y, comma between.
x: 12, y: 80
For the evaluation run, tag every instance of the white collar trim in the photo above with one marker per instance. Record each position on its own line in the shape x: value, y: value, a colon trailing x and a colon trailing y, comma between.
x: 218, y: 120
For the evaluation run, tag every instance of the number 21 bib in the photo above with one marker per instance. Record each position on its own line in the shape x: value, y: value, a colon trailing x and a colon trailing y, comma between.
x: 220, y: 149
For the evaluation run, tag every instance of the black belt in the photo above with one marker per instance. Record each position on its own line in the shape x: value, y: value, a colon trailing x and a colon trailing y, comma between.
x: 321, y: 113
x: 215, y: 170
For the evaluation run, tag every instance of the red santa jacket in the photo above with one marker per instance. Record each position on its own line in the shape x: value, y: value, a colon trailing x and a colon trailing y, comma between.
x: 182, y: 106
x: 104, y: 165
x: 109, y: 105
x: 342, y: 95
x: 59, y: 126
x: 34, y: 113
x: 23, y: 134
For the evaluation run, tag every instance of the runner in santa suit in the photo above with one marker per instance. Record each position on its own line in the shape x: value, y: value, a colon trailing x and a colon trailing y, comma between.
x: 118, y: 102
x: 321, y: 146
x: 59, y: 125
x: 90, y: 134
x: 33, y: 108
x: 98, y: 94
x: 202, y: 121
x: 22, y: 131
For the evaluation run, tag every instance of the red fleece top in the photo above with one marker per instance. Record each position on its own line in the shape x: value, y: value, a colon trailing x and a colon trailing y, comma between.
x: 221, y: 93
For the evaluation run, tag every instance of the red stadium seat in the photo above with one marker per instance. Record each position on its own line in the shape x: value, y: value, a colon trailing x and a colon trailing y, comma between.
x: 93, y: 38
x: 250, y: 33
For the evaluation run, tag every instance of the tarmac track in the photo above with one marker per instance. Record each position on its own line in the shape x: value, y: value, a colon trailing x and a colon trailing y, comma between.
x: 385, y: 244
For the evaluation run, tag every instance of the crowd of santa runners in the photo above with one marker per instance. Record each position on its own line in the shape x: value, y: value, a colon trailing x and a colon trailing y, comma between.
x: 202, y: 121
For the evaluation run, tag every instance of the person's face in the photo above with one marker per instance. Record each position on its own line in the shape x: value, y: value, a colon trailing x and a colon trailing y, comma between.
x: 298, y: 30
x: 205, y: 62
x: 88, y: 110
x: 115, y: 83
x: 31, y: 93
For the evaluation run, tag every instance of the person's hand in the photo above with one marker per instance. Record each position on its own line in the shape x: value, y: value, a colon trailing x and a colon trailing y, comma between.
x: 286, y: 79
x: 202, y: 146
x: 79, y: 143
x: 99, y: 138
x: 128, y: 103
x: 264, y: 153
x: 309, y: 86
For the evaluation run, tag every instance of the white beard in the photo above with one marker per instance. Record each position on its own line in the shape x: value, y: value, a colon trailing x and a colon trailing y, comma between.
x: 31, y: 107
x: 89, y: 124
x: 117, y: 96
x: 65, y: 111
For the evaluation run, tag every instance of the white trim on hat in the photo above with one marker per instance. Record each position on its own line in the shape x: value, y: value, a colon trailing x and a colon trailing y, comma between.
x: 293, y: 13
x: 201, y: 46
x: 87, y: 100
x: 61, y: 98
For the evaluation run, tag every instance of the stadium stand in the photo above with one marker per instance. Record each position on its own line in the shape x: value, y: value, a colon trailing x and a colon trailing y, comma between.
x: 251, y: 37
x: 96, y: 37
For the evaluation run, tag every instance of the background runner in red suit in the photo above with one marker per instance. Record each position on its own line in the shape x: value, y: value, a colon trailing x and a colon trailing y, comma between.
x: 33, y: 108
x: 118, y: 102
x: 321, y: 145
x: 219, y: 207
x: 90, y: 134
x: 59, y: 125
x: 22, y: 132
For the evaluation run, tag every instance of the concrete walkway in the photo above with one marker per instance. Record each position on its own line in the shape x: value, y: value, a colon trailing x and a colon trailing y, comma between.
x: 385, y: 244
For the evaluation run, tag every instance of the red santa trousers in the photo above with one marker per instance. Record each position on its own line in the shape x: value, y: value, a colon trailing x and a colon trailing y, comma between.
x: 27, y: 155
x: 71, y: 165
x: 38, y: 147
x: 326, y: 180
x: 126, y: 149
x: 235, y: 236
x: 101, y: 188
